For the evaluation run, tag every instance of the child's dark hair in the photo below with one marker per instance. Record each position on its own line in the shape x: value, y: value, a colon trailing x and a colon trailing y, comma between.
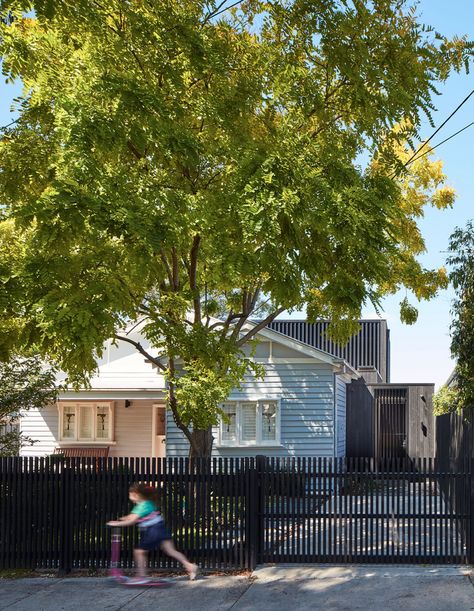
x: 147, y: 492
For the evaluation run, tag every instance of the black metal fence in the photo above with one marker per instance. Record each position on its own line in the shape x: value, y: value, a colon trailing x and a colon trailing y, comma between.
x: 235, y: 513
x: 53, y: 510
x: 455, y: 450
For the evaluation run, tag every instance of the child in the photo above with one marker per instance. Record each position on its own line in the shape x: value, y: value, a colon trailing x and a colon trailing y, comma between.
x: 153, y: 532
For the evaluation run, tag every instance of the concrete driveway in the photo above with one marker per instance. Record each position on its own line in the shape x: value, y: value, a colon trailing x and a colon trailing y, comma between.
x: 275, y: 588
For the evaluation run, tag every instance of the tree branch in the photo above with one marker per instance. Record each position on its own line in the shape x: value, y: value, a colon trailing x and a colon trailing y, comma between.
x: 249, y: 301
x: 262, y: 305
x: 218, y: 10
x: 141, y: 350
x: 134, y: 150
x: 174, y: 405
x: 325, y: 125
x: 254, y: 299
x: 167, y: 267
x: 175, y: 270
x: 193, y: 276
x: 228, y: 321
x: 259, y: 327
x: 342, y: 83
x: 138, y: 60
x: 216, y: 325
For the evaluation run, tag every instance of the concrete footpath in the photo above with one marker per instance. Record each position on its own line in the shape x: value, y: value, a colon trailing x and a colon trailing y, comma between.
x: 275, y: 588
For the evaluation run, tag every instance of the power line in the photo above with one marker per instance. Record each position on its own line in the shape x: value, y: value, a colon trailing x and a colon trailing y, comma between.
x: 223, y: 10
x: 440, y: 143
x: 7, y: 126
x: 416, y: 153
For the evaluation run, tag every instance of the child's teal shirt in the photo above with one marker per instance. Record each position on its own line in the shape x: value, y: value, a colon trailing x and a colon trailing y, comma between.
x: 144, y: 508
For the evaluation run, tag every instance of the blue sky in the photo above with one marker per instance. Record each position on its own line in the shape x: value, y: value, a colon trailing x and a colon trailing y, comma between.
x: 420, y: 353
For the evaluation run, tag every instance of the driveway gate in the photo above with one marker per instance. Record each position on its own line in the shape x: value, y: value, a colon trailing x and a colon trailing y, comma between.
x: 363, y: 510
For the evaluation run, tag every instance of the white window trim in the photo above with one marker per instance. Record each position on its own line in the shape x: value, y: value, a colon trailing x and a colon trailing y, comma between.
x: 259, y: 442
x: 94, y: 440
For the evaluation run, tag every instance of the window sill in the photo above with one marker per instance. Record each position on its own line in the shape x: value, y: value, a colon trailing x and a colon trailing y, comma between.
x: 273, y: 446
x: 65, y: 443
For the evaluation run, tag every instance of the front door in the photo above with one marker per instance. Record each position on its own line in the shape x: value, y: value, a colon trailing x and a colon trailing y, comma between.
x: 391, y: 418
x: 159, y: 430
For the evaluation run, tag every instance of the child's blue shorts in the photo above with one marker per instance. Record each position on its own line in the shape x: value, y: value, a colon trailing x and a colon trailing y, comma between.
x: 152, y: 537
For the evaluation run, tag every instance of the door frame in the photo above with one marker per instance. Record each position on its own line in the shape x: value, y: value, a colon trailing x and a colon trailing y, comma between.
x: 393, y: 397
x: 155, y: 407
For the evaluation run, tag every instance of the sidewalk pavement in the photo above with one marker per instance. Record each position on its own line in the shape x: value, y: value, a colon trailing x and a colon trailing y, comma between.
x: 275, y: 588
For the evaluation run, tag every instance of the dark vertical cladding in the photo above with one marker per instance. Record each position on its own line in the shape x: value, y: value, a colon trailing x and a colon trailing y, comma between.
x: 391, y: 422
x: 368, y: 349
x: 360, y: 420
x: 387, y: 355
x: 455, y: 438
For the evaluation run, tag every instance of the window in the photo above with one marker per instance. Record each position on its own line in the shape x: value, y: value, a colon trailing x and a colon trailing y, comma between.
x: 229, y: 428
x: 86, y: 422
x: 250, y: 423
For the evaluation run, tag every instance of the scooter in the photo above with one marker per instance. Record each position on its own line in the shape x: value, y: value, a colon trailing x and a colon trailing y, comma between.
x: 116, y: 572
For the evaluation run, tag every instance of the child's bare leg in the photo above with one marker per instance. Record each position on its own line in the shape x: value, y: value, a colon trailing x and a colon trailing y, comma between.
x: 140, y: 556
x: 169, y: 548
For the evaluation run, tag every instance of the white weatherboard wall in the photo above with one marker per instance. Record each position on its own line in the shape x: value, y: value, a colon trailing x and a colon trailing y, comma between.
x: 122, y: 367
x: 340, y: 408
x: 306, y: 392
x: 42, y: 427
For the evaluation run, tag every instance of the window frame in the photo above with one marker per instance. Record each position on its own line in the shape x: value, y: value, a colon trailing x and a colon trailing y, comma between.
x: 78, y: 406
x: 259, y: 441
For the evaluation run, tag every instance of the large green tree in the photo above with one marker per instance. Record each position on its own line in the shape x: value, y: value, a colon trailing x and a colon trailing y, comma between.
x: 199, y: 166
x: 460, y: 394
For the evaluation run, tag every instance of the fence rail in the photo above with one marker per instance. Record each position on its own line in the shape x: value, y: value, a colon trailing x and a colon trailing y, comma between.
x: 235, y: 513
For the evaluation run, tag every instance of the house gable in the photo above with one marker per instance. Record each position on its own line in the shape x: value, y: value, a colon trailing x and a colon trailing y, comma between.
x: 122, y: 368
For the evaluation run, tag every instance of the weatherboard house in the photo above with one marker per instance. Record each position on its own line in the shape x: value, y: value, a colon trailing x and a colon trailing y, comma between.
x: 316, y: 399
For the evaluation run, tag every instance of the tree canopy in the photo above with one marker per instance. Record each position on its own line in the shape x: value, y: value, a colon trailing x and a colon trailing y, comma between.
x: 460, y: 394
x: 24, y: 384
x: 200, y: 166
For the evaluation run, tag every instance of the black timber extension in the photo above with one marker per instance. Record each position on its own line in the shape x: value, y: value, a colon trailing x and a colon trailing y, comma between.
x: 390, y: 420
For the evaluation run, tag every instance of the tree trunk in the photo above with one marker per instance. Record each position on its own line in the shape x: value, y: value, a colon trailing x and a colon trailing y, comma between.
x: 201, y: 444
x: 200, y: 440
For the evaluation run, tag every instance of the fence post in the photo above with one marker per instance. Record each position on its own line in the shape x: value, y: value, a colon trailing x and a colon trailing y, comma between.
x: 254, y: 512
x: 470, y: 543
x: 65, y: 517
x: 260, y: 498
x: 251, y: 515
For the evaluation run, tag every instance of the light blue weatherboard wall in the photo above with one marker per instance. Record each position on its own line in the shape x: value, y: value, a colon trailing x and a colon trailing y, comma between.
x: 306, y: 393
x: 340, y: 416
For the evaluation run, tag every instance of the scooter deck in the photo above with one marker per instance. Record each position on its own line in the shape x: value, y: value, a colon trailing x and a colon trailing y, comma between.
x: 151, y: 583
